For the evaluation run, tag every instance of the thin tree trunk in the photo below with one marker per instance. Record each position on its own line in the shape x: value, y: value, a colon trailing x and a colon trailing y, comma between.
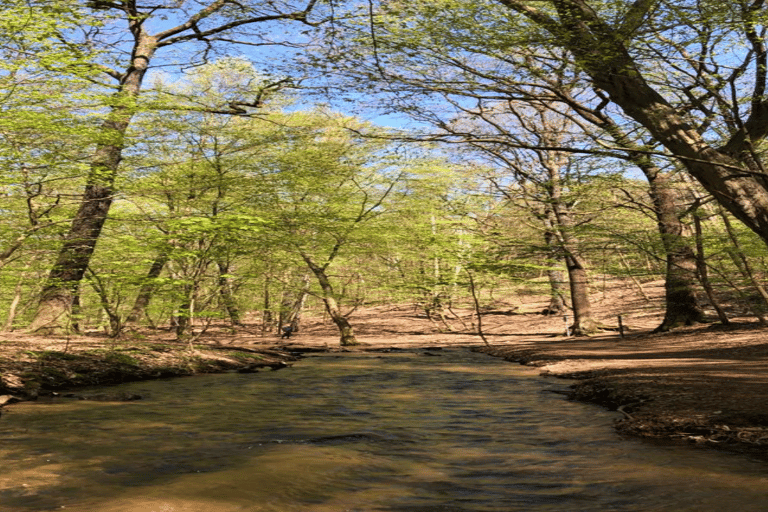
x: 115, y: 325
x: 557, y: 290
x: 147, y: 289
x: 742, y: 263
x: 184, y: 314
x: 583, y: 322
x: 631, y: 275
x: 266, y: 315
x: 227, y: 298
x: 14, y: 304
x: 331, y: 305
x: 701, y: 267
x: 476, y: 303
x: 298, y: 305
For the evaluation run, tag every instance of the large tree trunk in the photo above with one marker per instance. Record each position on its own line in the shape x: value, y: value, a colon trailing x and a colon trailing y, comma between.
x: 55, y: 305
x: 682, y: 304
x: 57, y: 297
x: 583, y: 323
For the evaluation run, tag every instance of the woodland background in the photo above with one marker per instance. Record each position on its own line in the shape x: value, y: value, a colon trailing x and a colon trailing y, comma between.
x: 185, y: 163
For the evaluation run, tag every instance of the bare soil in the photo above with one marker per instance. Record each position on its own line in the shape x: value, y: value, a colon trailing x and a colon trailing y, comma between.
x: 705, y: 384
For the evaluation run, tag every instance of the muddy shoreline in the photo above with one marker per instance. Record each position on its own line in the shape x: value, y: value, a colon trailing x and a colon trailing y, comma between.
x: 667, y: 387
x: 705, y: 385
x: 51, y: 370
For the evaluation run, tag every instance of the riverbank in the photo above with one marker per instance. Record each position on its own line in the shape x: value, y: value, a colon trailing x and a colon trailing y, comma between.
x: 35, y: 366
x: 705, y: 384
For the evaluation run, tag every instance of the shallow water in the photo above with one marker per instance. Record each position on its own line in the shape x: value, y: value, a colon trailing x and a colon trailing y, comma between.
x: 454, y: 431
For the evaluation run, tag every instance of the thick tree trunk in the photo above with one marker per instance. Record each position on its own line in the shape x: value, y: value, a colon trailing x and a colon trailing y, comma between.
x: 56, y: 300
x: 682, y: 304
x: 55, y: 305
x: 583, y: 323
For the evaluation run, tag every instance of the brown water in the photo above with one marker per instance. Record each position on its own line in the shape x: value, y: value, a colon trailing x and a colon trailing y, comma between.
x: 452, y: 432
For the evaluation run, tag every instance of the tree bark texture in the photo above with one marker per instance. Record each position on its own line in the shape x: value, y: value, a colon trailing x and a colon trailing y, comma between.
x: 557, y: 289
x: 55, y: 304
x: 682, y: 304
x: 563, y: 224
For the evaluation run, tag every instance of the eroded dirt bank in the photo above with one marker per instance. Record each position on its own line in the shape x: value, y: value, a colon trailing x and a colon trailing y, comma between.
x: 706, y: 385
x: 32, y: 366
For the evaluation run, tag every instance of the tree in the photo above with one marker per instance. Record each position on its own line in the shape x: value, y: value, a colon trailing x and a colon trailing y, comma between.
x: 198, y: 25
x: 545, y: 173
x: 714, y: 134
x: 328, y: 189
x: 435, y: 67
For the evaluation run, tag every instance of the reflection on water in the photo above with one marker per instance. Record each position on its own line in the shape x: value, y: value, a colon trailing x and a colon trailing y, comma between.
x: 453, y: 432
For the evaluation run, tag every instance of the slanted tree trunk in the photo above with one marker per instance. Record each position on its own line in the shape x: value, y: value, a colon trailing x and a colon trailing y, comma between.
x: 56, y: 300
x: 701, y: 267
x: 293, y: 305
x: 331, y: 305
x: 14, y: 304
x: 682, y: 305
x: 57, y: 297
x: 115, y: 323
x: 741, y: 262
x: 147, y: 289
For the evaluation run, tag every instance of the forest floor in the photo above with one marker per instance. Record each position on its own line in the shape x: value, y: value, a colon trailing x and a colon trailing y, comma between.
x: 704, y: 384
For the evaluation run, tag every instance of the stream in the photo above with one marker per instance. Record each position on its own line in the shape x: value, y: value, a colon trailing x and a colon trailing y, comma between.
x: 439, y: 430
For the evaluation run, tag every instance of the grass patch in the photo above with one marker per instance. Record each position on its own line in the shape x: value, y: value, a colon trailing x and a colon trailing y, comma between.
x: 53, y: 355
x: 245, y: 356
